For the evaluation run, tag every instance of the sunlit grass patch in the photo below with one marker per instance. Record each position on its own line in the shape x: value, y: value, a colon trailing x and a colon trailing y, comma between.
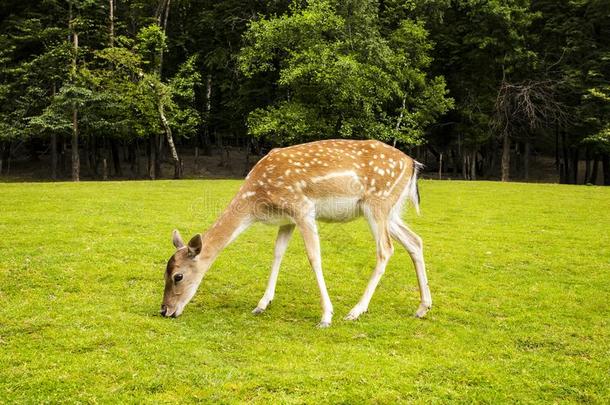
x: 519, y: 273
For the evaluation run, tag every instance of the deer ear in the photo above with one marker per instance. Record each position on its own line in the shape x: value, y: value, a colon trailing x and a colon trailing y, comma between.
x: 177, y: 239
x: 195, y: 245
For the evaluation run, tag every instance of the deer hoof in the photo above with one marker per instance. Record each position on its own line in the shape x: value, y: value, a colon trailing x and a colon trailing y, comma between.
x: 323, y: 325
x: 354, y: 314
x: 422, y: 311
x: 258, y: 310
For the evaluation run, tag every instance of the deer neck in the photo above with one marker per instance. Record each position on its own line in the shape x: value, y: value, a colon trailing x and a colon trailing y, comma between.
x: 227, y: 227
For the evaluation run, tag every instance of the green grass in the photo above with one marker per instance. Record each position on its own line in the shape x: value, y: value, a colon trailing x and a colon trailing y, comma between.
x: 520, y: 277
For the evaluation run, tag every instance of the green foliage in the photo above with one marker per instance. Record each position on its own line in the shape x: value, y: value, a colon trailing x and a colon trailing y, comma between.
x: 573, y: 40
x: 519, y: 316
x: 151, y: 41
x: 478, y: 45
x: 117, y: 91
x: 27, y: 80
x: 414, y: 72
x: 186, y: 119
x: 338, y: 76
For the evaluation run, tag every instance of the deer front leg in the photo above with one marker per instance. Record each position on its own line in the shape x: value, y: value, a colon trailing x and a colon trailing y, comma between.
x: 413, y: 244
x: 281, y: 243
x: 309, y: 231
x: 384, y: 252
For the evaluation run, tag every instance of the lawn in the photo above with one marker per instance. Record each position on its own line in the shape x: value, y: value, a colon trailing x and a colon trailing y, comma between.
x: 519, y: 273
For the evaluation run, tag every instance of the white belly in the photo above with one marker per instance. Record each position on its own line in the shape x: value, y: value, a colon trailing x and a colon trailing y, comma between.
x: 338, y: 209
x: 275, y: 219
x: 329, y: 209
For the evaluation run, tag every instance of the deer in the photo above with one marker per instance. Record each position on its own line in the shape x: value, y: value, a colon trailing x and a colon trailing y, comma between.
x: 296, y: 186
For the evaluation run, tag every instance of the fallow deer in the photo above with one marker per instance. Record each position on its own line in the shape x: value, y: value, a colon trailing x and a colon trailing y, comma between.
x: 331, y: 180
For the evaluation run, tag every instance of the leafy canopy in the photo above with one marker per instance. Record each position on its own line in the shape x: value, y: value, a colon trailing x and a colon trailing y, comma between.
x: 338, y: 76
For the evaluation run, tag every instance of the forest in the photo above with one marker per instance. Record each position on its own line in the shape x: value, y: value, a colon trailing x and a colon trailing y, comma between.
x: 475, y: 89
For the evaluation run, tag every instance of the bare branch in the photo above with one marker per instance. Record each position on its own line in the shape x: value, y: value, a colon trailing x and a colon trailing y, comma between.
x: 527, y: 106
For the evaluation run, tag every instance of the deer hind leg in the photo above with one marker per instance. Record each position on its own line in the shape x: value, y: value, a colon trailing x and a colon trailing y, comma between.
x: 281, y: 243
x: 380, y: 229
x: 309, y: 231
x: 413, y: 244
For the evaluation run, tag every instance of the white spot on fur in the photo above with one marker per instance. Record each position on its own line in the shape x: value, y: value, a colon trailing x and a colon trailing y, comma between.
x: 333, y: 175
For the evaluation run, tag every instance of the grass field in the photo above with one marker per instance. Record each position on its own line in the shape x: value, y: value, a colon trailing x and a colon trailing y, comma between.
x: 520, y: 276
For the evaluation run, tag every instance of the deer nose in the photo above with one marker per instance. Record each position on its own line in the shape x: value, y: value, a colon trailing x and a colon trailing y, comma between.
x: 163, y: 310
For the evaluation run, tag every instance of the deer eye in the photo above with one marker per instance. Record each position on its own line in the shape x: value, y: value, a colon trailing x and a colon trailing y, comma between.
x: 178, y: 277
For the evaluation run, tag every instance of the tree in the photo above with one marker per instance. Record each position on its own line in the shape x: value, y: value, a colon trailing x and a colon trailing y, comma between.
x: 575, y: 52
x: 337, y: 76
x: 476, y: 84
x: 479, y: 45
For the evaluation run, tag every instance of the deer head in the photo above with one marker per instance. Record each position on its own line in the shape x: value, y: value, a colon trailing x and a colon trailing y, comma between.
x: 184, y: 272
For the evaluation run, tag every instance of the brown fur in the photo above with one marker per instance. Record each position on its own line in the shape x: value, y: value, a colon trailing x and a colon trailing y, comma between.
x: 291, y: 184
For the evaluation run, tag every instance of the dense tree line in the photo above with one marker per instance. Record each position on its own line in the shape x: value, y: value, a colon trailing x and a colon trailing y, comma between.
x: 475, y: 86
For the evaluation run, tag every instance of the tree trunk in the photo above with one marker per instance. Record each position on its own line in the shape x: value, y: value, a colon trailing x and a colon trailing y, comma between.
x: 205, y: 138
x: 516, y: 161
x: 196, y: 160
x: 75, y: 153
x: 440, y: 166
x: 116, y: 157
x: 53, y: 146
x: 150, y: 151
x: 111, y: 33
x: 104, y: 169
x: 170, y: 140
x: 400, y: 117
x: 505, y: 158
x: 575, y: 160
x: 473, y: 166
x: 54, y: 156
x: 557, y: 164
x: 491, y: 164
x: 164, y: 27
x: 606, y: 168
x: 158, y: 156
x: 64, y: 155
x: 219, y: 144
x: 6, y: 157
x: 114, y: 152
x: 464, y: 167
x: 93, y: 156
x: 453, y: 162
x: 594, y: 170
x: 86, y: 145
x: 526, y: 160
x: 137, y: 159
x: 227, y: 153
x: 131, y: 157
x: 587, y: 165
x: 565, y: 161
